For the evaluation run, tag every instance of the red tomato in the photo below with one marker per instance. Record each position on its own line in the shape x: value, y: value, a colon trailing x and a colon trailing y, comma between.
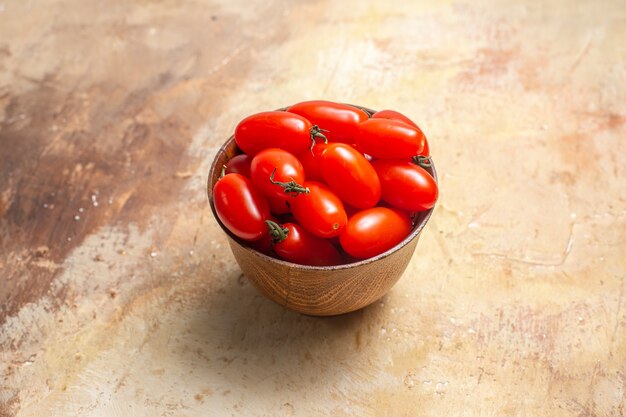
x: 319, y: 211
x: 406, y: 185
x: 278, y: 205
x: 240, y: 206
x: 294, y: 244
x: 276, y: 129
x: 386, y: 138
x: 310, y: 160
x: 239, y: 164
x: 373, y: 231
x: 394, y: 115
x: 263, y: 244
x: 350, y: 175
x: 277, y: 173
x: 340, y: 120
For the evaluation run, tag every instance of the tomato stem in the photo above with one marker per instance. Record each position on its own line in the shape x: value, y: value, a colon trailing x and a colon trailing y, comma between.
x: 423, y: 161
x: 316, y: 133
x: 222, y: 172
x: 277, y: 232
x: 291, y: 187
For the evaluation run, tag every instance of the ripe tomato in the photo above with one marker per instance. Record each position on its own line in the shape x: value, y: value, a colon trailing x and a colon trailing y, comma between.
x: 340, y: 120
x: 319, y: 211
x: 278, y: 205
x: 239, y: 164
x: 310, y: 160
x: 263, y: 244
x: 386, y: 138
x: 276, y: 129
x: 394, y: 115
x: 240, y: 206
x: 350, y: 175
x: 277, y: 173
x: 373, y: 231
x: 406, y: 185
x: 294, y: 244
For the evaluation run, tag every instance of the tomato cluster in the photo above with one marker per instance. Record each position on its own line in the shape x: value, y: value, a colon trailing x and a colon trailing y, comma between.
x: 325, y: 183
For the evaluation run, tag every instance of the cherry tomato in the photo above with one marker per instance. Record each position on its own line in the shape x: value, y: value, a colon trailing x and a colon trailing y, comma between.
x: 278, y: 205
x: 394, y: 115
x: 239, y: 164
x: 276, y: 129
x: 386, y: 138
x: 319, y: 211
x: 350, y: 175
x: 373, y: 231
x: 240, y: 206
x: 406, y: 185
x: 310, y: 160
x: 263, y: 244
x: 294, y: 244
x: 340, y: 120
x: 277, y: 173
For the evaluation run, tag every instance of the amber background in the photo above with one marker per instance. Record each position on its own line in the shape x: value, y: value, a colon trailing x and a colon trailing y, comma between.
x: 118, y: 293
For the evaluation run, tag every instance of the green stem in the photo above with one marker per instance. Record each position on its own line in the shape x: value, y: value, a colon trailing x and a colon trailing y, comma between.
x: 316, y: 133
x: 222, y: 172
x: 423, y: 161
x: 291, y: 187
x: 277, y: 232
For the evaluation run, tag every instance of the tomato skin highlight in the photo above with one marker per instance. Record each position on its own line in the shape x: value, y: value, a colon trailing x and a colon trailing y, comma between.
x: 340, y: 120
x: 394, y: 115
x: 319, y: 211
x: 374, y: 231
x: 240, y: 206
x: 406, y: 185
x: 387, y: 138
x: 239, y: 164
x: 275, y: 165
x: 311, y: 160
x: 274, y: 129
x: 350, y: 175
x: 301, y: 247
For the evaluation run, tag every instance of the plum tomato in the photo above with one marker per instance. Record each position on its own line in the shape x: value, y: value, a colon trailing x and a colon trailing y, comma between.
x: 394, y: 115
x: 319, y: 210
x: 278, y: 205
x: 239, y: 164
x: 350, y: 175
x: 310, y: 160
x: 276, y: 129
x: 277, y: 173
x: 338, y: 120
x: 373, y: 231
x: 406, y: 185
x: 240, y: 206
x: 387, y: 138
x: 295, y: 244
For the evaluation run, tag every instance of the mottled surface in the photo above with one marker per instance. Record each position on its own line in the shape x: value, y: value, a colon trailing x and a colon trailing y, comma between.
x: 118, y: 293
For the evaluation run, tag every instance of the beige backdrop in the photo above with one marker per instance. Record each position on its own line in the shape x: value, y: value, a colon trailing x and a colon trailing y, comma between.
x: 119, y: 296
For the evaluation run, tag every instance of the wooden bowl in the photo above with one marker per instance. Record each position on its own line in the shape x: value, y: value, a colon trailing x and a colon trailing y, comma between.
x: 318, y: 290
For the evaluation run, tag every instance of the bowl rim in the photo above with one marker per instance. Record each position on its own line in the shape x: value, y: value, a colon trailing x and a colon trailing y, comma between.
x: 417, y: 229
